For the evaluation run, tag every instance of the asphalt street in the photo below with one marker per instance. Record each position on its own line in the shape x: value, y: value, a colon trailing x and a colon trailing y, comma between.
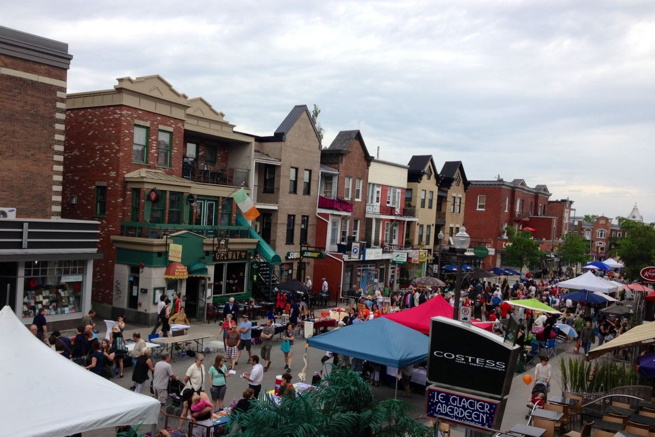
x: 515, y: 410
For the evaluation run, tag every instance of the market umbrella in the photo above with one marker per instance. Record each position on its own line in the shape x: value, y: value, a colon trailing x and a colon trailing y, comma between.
x: 650, y: 297
x: 453, y: 268
x: 529, y: 229
x: 533, y: 304
x: 585, y: 296
x: 481, y: 274
x: 647, y: 365
x: 498, y: 271
x: 567, y: 330
x: 598, y: 266
x: 293, y: 285
x: 635, y: 286
x: 513, y: 272
x: 429, y: 281
x: 617, y: 309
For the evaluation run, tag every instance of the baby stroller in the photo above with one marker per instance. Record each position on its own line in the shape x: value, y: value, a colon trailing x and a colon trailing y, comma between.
x: 537, y: 397
x: 174, y: 401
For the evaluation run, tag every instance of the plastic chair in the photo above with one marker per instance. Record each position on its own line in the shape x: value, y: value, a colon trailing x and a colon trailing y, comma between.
x: 152, y: 336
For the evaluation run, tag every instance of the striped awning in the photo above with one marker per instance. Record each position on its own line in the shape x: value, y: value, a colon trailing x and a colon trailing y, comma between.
x: 176, y: 271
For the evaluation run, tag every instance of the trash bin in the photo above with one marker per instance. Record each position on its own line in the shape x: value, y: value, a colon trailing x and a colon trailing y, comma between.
x: 309, y: 329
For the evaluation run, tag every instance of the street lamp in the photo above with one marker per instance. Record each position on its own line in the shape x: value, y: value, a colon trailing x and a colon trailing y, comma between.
x: 462, y: 241
x: 440, y: 236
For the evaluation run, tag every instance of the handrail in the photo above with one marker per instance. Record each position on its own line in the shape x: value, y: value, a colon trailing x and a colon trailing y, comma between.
x: 609, y: 396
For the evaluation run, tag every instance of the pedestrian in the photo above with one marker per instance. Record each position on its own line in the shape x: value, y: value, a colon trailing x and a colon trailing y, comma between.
x: 587, y: 337
x: 64, y: 344
x: 120, y: 348
x: 164, y: 316
x: 142, y: 366
x: 225, y: 327
x: 405, y: 377
x: 543, y: 372
x: 162, y: 376
x: 286, y: 388
x: 232, y: 341
x: 88, y: 319
x: 218, y: 374
x: 41, y: 324
x: 139, y: 345
x: 308, y: 282
x: 160, y: 306
x: 255, y: 376
x: 245, y: 329
x: 231, y: 307
x: 96, y: 360
x: 195, y: 375
x: 80, y: 347
x: 287, y: 346
x: 267, y: 343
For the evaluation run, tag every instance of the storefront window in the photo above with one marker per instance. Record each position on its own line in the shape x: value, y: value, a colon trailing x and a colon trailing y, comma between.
x: 53, y: 285
x: 229, y: 278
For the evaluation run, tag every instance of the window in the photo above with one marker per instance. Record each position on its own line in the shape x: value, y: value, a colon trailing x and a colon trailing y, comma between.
x: 291, y: 228
x: 334, y: 232
x: 164, y: 140
x: 453, y: 203
x: 140, y: 144
x: 601, y: 233
x: 358, y: 189
x: 506, y: 204
x: 347, y: 187
x: 267, y: 226
x: 307, y: 183
x: 391, y: 233
x: 459, y: 204
x: 136, y: 204
x: 423, y: 195
x: 101, y: 201
x: 175, y: 208
x: 408, y: 196
x: 328, y: 186
x: 210, y: 155
x: 304, y: 227
x: 293, y: 180
x: 482, y: 202
x: 420, y: 234
x: 430, y: 199
x: 158, y: 209
x: 393, y: 197
x: 269, y: 179
x: 428, y: 234
x: 345, y: 226
x: 356, y: 229
x: 374, y: 193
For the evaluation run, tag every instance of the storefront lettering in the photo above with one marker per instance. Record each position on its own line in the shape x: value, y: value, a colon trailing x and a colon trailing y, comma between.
x: 231, y: 255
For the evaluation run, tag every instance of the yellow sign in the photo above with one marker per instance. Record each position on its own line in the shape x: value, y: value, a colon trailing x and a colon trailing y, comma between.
x: 175, y: 252
x: 422, y: 256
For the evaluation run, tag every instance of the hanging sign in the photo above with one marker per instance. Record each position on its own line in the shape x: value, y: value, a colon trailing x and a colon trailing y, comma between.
x: 461, y: 408
x: 175, y: 252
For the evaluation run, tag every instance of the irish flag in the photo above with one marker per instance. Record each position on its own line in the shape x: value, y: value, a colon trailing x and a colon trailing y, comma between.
x: 245, y: 204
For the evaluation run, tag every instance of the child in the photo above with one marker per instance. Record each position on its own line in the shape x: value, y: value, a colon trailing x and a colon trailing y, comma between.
x: 198, y: 404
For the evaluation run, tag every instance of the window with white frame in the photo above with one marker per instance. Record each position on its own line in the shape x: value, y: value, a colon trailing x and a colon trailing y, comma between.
x: 423, y: 196
x: 459, y: 204
x: 347, y: 187
x: 518, y: 205
x: 601, y: 233
x: 327, y: 190
x: 482, y: 202
x: 334, y: 231
x: 428, y: 234
x: 430, y: 199
x: 374, y: 193
x: 393, y: 197
x: 356, y: 229
x: 391, y: 233
x: 358, y: 188
x: 506, y: 204
x: 345, y: 226
x: 420, y: 234
x: 453, y: 203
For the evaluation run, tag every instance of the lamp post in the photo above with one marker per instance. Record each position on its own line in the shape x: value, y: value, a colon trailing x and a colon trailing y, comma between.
x: 440, y: 236
x: 462, y: 241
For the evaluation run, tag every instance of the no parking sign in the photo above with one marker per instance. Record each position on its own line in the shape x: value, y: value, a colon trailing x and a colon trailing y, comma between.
x: 465, y: 314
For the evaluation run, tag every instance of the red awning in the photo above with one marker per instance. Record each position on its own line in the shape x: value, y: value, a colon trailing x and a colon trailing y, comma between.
x: 176, y: 271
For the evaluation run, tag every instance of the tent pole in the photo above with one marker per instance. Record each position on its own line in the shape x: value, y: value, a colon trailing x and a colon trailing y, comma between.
x: 395, y: 393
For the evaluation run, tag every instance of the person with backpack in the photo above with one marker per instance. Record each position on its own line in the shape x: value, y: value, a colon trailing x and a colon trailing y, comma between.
x: 120, y: 348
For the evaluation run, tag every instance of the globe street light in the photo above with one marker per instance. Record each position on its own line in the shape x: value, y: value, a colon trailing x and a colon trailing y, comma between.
x: 440, y: 236
x: 462, y: 241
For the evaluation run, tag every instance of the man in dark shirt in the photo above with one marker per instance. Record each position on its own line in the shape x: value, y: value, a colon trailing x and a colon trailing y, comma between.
x: 81, y: 346
x: 231, y: 307
x: 40, y: 322
x: 66, y: 342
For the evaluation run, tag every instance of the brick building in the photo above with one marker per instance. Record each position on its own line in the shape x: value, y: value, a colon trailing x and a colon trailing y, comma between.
x: 45, y: 261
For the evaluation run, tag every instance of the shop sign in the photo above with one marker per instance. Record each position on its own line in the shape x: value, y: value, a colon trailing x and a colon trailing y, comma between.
x: 480, y: 251
x: 315, y: 254
x: 648, y: 273
x: 293, y: 255
x: 175, y: 252
x: 422, y: 256
x: 399, y: 257
x: 355, y: 251
x: 463, y: 357
x: 470, y: 411
x: 231, y: 255
x: 286, y: 268
x: 371, y: 253
x: 71, y: 278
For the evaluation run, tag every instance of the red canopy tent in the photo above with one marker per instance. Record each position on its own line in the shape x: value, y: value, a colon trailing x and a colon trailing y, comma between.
x: 418, y: 317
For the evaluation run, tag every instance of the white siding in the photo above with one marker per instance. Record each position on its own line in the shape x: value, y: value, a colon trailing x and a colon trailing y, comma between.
x: 385, y: 174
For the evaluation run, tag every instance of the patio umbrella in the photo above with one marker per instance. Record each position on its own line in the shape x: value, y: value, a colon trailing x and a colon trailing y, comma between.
x: 567, y: 330
x: 480, y: 274
x: 533, y: 304
x: 429, y: 281
x: 635, y: 286
x: 498, y: 271
x: 585, y: 296
x: 599, y: 266
x: 513, y: 272
x: 453, y: 268
x: 293, y: 285
x: 617, y: 310
x: 529, y: 229
x: 647, y: 365
x: 650, y: 297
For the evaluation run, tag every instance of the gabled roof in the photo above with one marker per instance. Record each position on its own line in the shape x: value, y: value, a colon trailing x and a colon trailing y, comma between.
x: 542, y: 189
x: 289, y: 122
x: 448, y: 172
x: 344, y: 139
x: 417, y: 167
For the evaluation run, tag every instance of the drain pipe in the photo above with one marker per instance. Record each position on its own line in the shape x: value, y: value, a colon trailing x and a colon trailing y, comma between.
x: 340, y: 260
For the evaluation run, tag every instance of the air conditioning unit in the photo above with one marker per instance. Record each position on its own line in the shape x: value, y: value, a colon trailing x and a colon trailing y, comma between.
x: 7, y: 213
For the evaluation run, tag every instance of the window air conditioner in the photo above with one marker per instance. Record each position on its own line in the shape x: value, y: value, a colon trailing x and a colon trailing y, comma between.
x: 7, y: 213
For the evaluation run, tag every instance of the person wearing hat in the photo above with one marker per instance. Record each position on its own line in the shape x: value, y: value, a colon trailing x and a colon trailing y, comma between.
x: 245, y: 329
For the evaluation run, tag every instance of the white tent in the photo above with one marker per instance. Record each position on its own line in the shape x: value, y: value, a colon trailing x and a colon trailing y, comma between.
x: 588, y: 281
x: 612, y: 263
x: 44, y: 394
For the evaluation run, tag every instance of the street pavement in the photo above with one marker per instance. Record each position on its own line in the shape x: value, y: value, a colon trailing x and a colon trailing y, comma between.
x: 515, y: 410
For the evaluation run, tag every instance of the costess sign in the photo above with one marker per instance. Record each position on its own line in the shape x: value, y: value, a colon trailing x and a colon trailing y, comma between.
x: 463, y: 357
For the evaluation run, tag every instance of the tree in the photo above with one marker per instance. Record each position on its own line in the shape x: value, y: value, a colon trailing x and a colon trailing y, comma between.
x: 573, y: 249
x: 319, y: 128
x: 342, y: 405
x: 589, y: 218
x: 637, y: 248
x: 522, y: 250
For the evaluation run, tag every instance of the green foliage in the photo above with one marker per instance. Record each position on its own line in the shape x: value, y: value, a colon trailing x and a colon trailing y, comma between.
x: 589, y: 218
x: 581, y: 376
x: 523, y: 250
x: 637, y: 248
x: 319, y: 129
x: 574, y: 249
x: 342, y: 405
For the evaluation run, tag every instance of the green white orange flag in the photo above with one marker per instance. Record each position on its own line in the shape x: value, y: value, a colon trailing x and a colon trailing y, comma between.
x: 245, y: 204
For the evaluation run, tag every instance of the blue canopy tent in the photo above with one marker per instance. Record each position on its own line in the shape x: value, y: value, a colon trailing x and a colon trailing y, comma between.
x: 585, y: 296
x: 380, y: 341
x: 597, y: 265
x: 513, y: 272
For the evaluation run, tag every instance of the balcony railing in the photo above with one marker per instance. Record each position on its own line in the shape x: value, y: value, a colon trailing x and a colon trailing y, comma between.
x: 160, y: 230
x: 214, y: 174
x: 441, y: 216
x: 376, y: 208
x: 336, y: 204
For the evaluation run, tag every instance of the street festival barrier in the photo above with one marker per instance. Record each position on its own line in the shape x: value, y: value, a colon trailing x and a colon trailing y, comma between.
x: 471, y: 373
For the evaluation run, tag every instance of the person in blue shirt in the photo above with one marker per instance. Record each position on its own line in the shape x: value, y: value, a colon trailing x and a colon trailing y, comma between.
x: 245, y: 329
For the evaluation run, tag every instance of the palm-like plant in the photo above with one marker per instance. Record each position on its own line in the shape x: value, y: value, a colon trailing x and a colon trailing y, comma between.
x: 341, y: 405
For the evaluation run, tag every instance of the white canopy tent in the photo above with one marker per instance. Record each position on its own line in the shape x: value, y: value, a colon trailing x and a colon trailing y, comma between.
x: 611, y: 262
x: 44, y: 394
x: 589, y: 281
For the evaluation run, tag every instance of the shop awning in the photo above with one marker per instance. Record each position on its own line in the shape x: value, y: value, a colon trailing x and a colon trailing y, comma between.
x: 631, y: 337
x: 176, y: 271
x: 197, y: 268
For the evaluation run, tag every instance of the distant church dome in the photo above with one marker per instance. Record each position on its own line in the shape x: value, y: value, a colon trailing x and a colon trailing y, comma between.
x: 635, y: 215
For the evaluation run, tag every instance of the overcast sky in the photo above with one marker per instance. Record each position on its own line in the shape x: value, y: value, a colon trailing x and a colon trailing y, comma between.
x: 555, y: 92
